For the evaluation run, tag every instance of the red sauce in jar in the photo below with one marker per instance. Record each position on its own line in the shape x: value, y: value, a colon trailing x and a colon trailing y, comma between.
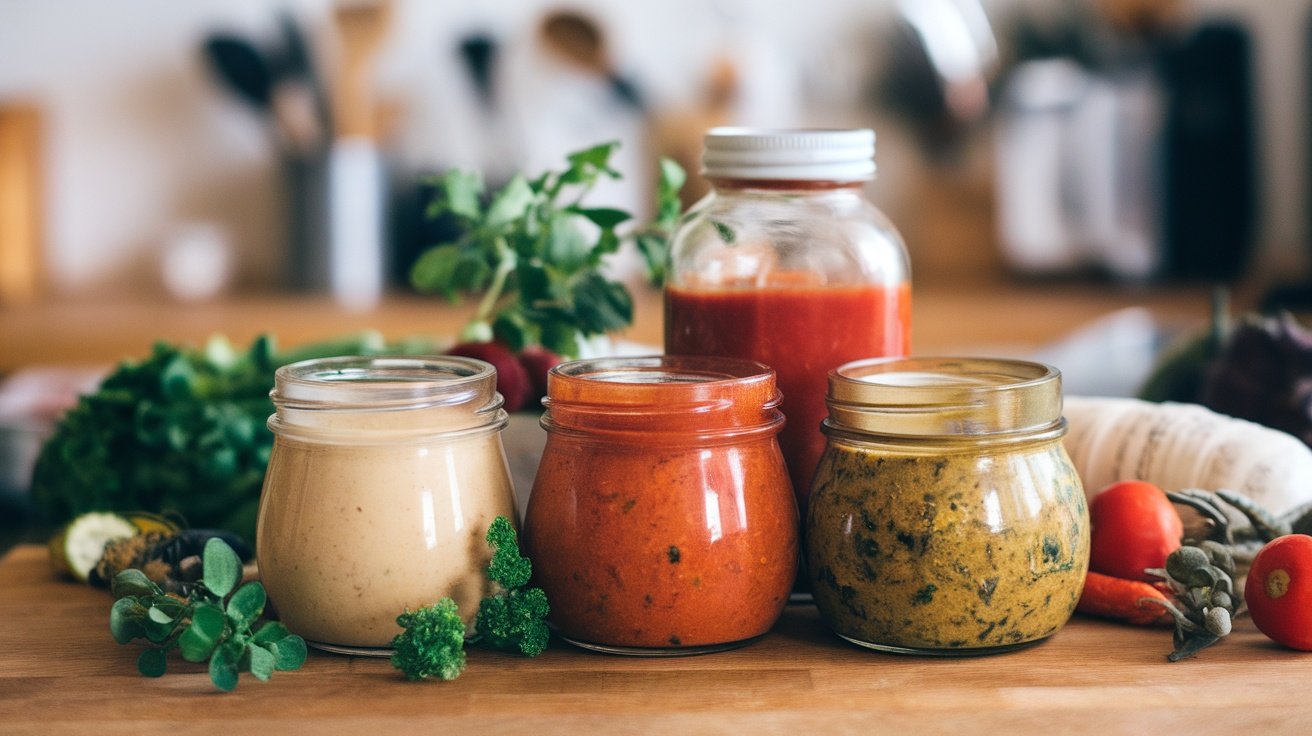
x: 802, y: 333
x: 661, y: 516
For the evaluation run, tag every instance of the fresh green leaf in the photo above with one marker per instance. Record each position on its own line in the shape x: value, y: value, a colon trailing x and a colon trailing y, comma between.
x: 462, y: 190
x: 597, y: 157
x: 510, y: 203
x: 197, y: 642
x: 152, y: 662
x: 603, y: 217
x: 132, y: 582
x: 269, y: 632
x: 653, y: 249
x: 261, y: 662
x: 567, y: 249
x: 725, y: 232
x: 223, y: 667
x: 434, y: 271
x: 221, y: 567
x: 289, y: 652
x: 159, y: 616
x: 247, y: 603
x: 155, y: 632
x: 125, y: 620
x: 602, y: 305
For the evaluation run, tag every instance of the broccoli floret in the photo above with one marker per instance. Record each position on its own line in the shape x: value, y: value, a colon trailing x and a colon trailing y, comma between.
x: 513, y: 618
x: 433, y: 643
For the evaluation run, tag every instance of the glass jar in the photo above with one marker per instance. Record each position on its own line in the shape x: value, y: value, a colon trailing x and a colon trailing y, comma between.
x: 661, y: 520
x: 946, y: 517
x: 787, y: 263
x: 384, y: 477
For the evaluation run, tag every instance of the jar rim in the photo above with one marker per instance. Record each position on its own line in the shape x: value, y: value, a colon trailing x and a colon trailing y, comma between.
x: 363, y: 382
x: 945, y: 397
x: 662, y: 396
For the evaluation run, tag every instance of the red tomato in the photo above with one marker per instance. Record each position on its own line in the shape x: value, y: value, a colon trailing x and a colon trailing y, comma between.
x: 1134, y: 527
x: 1279, y: 591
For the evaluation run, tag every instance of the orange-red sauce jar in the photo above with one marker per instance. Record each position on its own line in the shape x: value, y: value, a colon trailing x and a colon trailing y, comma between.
x: 662, y: 520
x: 788, y: 263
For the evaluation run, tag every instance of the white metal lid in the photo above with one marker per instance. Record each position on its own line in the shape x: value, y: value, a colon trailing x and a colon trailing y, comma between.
x: 790, y: 155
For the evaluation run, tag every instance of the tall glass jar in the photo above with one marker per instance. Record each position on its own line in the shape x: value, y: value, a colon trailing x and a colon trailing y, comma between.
x: 661, y: 520
x: 787, y: 262
x: 946, y: 517
x: 384, y: 477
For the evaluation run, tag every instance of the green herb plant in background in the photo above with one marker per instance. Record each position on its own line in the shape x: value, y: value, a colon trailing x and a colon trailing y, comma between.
x: 512, y: 619
x: 535, y: 253
x: 216, y: 621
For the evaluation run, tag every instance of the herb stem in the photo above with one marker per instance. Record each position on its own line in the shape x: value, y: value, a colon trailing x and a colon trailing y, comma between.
x: 487, y: 305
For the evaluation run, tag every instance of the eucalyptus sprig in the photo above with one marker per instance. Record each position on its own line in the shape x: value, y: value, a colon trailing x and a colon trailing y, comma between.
x: 215, y: 621
x: 534, y: 252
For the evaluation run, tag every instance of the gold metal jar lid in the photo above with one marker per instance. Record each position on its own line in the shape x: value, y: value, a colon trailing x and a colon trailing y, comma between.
x: 945, y: 397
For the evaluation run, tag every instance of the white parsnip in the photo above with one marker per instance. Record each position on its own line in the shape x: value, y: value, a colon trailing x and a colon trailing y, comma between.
x: 1178, y: 446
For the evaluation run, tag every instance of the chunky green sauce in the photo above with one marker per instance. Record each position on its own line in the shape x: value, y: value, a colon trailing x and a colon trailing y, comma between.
x: 967, y: 551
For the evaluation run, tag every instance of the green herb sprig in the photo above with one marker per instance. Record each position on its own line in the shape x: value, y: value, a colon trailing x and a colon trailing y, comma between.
x: 216, y: 621
x: 534, y: 252
x: 512, y: 619
x: 432, y: 643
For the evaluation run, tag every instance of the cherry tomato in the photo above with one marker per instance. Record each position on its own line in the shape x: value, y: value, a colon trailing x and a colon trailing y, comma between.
x: 1134, y: 527
x: 1279, y: 591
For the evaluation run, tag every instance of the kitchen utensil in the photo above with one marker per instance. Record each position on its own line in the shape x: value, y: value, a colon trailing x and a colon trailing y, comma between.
x: 20, y: 202
x: 242, y: 67
x: 361, y: 28
x: 942, y: 56
x: 578, y: 39
x: 478, y: 52
x: 300, y: 102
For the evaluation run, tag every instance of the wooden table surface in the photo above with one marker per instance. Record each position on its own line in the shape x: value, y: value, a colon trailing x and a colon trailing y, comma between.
x: 948, y: 316
x: 60, y: 672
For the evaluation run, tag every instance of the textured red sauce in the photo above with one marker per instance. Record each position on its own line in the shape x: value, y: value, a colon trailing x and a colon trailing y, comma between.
x: 650, y: 527
x: 802, y: 333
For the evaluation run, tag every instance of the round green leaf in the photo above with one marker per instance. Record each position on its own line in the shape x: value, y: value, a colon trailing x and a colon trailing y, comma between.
x: 152, y: 662
x: 262, y: 662
x: 247, y: 603
x: 125, y: 620
x: 159, y: 616
x: 223, y: 668
x: 198, y: 641
x: 133, y: 582
x: 222, y: 567
x: 270, y: 631
x: 289, y: 652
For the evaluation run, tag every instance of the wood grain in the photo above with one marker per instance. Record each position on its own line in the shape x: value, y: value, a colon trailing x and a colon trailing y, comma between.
x: 60, y: 672
x: 947, y: 318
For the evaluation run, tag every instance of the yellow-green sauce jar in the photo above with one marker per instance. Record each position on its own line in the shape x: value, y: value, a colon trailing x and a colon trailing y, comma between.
x: 945, y: 515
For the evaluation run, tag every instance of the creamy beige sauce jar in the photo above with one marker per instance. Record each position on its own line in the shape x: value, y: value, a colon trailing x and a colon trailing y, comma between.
x: 384, y: 477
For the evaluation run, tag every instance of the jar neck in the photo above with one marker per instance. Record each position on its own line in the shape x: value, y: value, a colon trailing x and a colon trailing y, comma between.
x: 945, y: 401
x: 381, y: 400
x: 662, y: 399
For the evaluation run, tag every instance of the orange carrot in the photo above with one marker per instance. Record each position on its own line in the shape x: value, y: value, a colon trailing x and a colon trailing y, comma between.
x: 1117, y: 598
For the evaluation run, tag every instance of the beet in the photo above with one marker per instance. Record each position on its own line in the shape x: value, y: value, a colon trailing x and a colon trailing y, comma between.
x: 538, y: 361
x: 512, y: 379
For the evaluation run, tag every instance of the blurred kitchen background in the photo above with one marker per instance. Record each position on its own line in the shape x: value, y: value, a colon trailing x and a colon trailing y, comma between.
x: 203, y: 148
x: 1072, y: 177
